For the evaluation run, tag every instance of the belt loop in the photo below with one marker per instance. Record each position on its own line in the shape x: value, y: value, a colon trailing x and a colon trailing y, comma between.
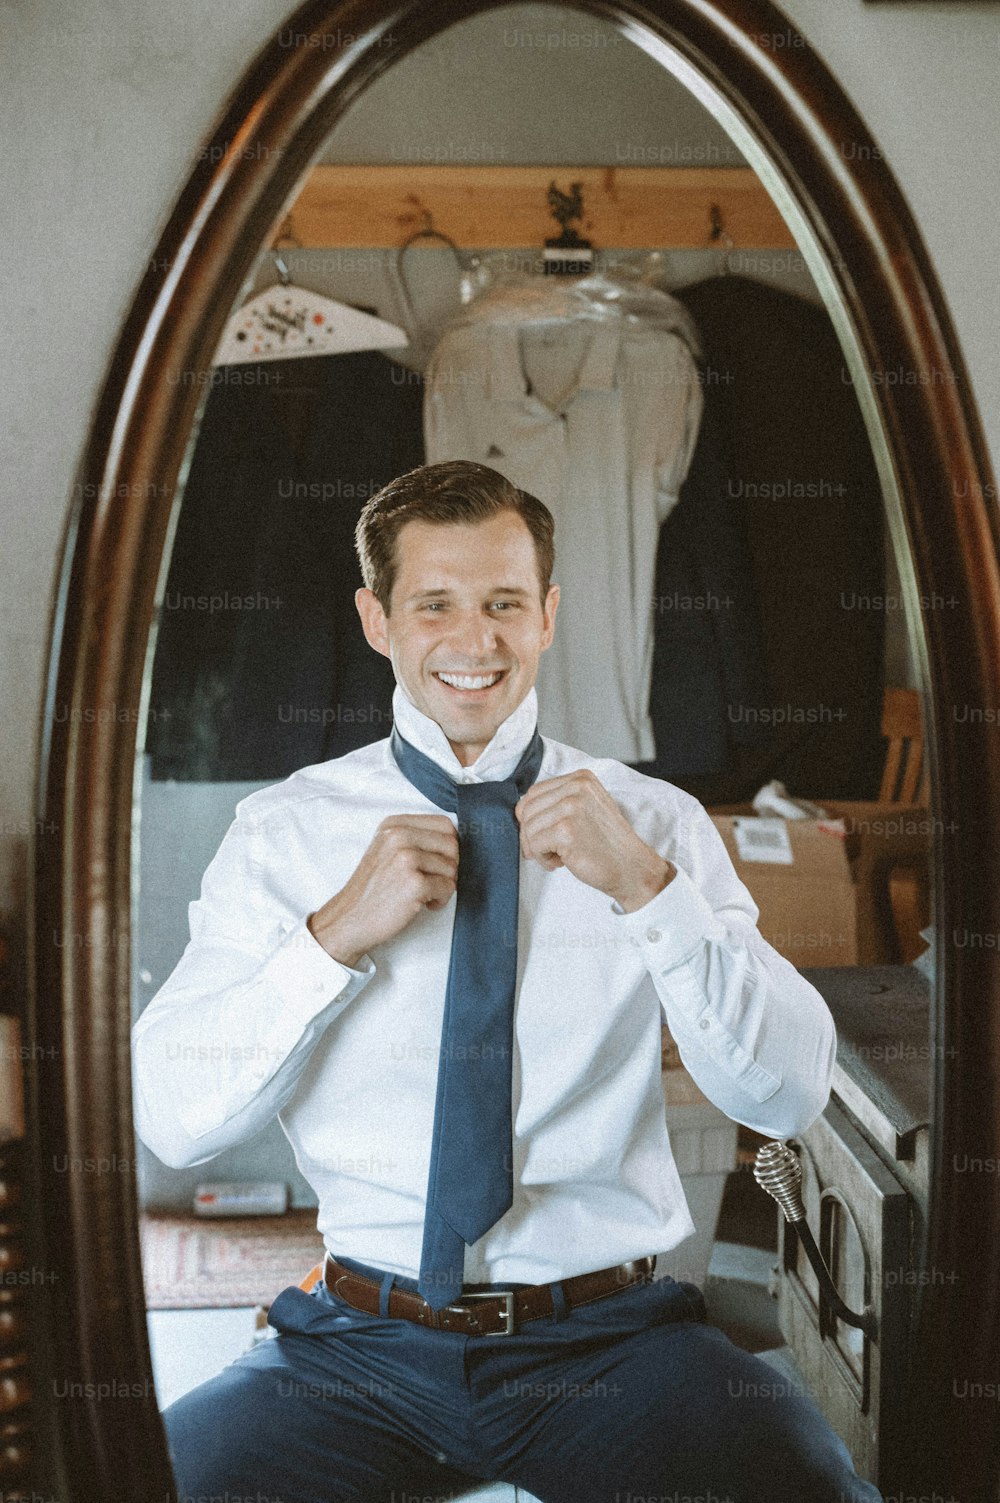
x: 560, y: 1308
x: 383, y: 1295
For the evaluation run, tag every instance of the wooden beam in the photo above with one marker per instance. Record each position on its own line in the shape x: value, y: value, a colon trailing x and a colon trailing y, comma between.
x: 635, y: 207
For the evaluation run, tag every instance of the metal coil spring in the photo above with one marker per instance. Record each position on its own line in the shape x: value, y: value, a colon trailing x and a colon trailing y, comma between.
x: 778, y: 1171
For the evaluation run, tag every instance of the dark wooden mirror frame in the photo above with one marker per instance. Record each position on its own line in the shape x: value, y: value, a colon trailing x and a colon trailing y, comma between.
x: 89, y: 1326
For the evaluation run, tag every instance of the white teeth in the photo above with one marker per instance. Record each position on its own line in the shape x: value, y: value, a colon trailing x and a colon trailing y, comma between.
x: 459, y: 681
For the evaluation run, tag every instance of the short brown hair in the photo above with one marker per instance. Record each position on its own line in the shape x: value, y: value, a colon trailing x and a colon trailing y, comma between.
x: 456, y: 490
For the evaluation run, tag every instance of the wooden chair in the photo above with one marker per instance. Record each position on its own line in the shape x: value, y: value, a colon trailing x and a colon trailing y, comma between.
x: 905, y: 781
x: 904, y: 777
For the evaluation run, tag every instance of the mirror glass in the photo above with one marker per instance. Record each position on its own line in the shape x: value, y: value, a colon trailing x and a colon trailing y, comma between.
x: 731, y: 619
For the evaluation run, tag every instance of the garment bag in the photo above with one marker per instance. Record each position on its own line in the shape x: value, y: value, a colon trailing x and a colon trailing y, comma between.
x: 708, y: 652
x: 802, y: 479
x: 586, y: 394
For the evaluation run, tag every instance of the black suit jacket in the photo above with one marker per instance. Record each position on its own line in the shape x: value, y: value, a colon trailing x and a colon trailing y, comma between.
x: 802, y: 482
x: 261, y: 664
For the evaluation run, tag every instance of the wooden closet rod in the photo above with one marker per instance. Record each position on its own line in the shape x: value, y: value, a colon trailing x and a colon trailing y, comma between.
x: 629, y: 207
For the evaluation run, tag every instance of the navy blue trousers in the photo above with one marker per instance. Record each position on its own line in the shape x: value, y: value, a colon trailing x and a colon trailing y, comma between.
x: 632, y: 1399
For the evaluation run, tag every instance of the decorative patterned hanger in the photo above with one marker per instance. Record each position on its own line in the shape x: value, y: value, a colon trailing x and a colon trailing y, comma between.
x: 286, y: 322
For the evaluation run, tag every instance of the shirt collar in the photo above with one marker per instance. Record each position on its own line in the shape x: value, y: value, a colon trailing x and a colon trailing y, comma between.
x: 498, y: 758
x: 506, y: 380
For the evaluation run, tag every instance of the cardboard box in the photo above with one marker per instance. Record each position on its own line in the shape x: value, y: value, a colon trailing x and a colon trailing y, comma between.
x: 829, y: 904
x: 799, y: 875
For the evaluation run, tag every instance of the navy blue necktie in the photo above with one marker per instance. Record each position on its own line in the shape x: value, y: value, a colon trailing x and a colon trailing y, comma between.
x: 471, y: 1179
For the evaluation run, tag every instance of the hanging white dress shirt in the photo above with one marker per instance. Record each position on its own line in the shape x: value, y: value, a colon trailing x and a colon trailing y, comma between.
x: 258, y: 1019
x: 598, y: 418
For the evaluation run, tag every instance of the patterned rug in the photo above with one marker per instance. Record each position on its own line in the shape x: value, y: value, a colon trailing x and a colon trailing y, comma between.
x: 193, y: 1264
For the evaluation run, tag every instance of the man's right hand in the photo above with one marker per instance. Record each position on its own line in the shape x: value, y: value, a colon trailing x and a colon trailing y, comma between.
x: 411, y: 864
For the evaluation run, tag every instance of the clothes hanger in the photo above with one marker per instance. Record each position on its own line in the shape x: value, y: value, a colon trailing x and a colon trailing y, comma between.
x: 287, y: 322
x: 718, y: 232
x: 466, y: 284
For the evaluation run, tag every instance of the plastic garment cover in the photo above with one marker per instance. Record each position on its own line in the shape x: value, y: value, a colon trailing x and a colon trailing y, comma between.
x: 616, y: 291
x: 586, y: 393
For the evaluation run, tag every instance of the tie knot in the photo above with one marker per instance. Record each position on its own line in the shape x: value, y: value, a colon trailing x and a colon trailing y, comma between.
x: 500, y: 795
x: 437, y: 785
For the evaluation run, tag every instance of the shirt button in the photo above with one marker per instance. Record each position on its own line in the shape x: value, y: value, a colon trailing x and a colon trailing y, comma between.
x: 654, y: 934
x: 703, y: 1023
x: 319, y: 986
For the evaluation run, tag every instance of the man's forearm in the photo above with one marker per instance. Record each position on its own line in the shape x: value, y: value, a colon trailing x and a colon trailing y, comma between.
x: 649, y: 878
x: 754, y: 1034
x: 220, y: 1048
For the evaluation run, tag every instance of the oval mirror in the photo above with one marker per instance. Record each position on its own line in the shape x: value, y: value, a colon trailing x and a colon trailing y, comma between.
x: 786, y: 609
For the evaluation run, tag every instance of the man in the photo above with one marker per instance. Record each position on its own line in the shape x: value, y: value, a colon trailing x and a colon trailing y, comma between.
x: 441, y: 959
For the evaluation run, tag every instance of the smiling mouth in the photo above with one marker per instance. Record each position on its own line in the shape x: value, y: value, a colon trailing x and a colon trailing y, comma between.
x: 472, y: 683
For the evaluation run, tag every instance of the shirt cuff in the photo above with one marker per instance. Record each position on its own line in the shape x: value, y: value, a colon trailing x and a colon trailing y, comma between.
x: 306, y: 978
x: 670, y: 927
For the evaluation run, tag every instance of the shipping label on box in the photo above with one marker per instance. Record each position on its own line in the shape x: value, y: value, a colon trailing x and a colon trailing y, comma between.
x: 763, y: 840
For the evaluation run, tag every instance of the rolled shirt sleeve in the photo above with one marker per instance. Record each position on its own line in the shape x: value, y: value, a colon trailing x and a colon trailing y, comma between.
x: 755, y: 1035
x: 220, y: 1048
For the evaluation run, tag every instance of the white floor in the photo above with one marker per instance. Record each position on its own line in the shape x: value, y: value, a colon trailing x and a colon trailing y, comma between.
x: 190, y: 1346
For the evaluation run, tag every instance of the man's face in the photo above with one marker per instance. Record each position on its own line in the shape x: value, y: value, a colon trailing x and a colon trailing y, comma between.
x: 464, y: 603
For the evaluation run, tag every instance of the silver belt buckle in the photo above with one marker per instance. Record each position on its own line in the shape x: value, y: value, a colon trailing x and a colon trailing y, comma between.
x: 507, y: 1295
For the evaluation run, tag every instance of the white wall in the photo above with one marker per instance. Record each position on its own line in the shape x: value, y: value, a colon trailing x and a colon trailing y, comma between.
x: 105, y: 105
x: 924, y: 77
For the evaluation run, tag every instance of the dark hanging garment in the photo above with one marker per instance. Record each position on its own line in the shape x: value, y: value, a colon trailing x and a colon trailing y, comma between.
x: 261, y: 663
x: 708, y: 652
x: 802, y: 481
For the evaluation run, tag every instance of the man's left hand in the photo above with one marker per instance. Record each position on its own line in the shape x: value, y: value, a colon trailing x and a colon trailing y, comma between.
x: 573, y: 821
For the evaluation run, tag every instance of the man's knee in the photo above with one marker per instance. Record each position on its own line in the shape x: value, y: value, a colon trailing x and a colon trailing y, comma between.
x: 212, y: 1431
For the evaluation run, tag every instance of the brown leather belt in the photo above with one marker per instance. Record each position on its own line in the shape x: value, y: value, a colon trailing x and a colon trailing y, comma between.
x: 497, y: 1312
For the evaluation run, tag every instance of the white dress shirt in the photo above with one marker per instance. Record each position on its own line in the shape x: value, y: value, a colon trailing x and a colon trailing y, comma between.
x: 257, y: 1019
x: 598, y: 418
